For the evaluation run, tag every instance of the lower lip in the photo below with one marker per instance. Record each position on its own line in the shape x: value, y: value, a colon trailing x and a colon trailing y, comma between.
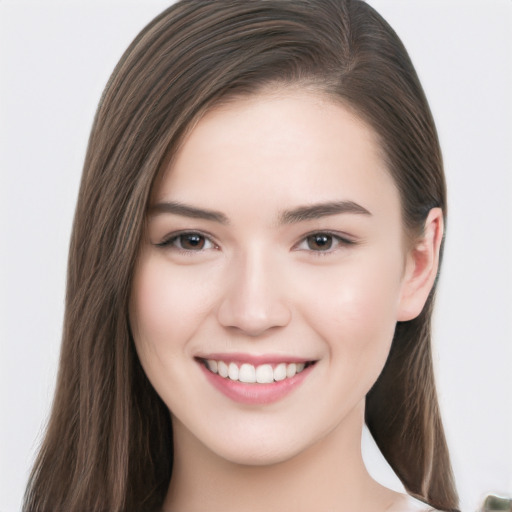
x: 255, y: 394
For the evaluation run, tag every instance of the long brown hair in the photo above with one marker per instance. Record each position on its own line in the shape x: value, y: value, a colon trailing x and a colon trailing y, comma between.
x: 108, y: 445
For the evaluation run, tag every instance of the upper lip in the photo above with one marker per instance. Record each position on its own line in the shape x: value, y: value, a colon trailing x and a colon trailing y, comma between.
x: 254, y: 359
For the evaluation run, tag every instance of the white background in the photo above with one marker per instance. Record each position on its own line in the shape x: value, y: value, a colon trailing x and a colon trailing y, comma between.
x: 55, y: 58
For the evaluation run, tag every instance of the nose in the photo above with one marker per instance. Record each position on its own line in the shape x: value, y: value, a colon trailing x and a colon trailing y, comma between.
x: 254, y: 300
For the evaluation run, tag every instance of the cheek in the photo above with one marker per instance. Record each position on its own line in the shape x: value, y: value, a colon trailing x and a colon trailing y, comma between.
x: 164, y: 309
x: 165, y: 312
x: 150, y: 311
x: 357, y: 311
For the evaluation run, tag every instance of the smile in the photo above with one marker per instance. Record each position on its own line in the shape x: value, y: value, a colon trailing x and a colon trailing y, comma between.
x: 255, y: 380
x: 251, y: 374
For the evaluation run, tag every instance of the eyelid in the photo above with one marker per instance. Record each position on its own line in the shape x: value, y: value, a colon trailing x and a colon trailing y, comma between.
x: 343, y: 240
x: 167, y: 242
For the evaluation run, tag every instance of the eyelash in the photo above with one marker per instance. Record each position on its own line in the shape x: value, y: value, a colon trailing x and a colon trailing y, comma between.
x: 335, y: 238
x: 171, y: 240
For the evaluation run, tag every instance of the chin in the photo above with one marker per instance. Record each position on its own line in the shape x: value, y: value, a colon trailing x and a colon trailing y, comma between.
x: 259, y: 454
x: 253, y: 444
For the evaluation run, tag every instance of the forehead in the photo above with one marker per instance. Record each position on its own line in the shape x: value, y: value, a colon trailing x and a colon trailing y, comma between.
x: 282, y: 148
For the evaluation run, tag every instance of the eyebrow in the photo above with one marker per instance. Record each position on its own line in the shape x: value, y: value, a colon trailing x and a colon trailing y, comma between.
x: 317, y: 211
x: 299, y: 214
x: 184, y: 210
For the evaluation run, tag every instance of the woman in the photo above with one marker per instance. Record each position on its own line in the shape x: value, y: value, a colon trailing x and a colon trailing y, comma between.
x: 251, y: 272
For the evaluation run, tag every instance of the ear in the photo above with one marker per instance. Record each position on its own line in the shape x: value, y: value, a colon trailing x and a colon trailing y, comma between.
x: 421, y: 267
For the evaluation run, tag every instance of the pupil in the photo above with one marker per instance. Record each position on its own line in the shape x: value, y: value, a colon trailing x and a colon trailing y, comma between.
x: 193, y: 242
x: 320, y: 242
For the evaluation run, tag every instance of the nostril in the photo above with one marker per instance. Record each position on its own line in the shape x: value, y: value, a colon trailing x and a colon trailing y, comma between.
x: 252, y: 318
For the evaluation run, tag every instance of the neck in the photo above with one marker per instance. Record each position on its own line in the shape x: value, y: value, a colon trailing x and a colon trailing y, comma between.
x: 329, y: 475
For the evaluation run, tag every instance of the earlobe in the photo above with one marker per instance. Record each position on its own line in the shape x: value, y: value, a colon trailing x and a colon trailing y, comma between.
x: 421, y: 267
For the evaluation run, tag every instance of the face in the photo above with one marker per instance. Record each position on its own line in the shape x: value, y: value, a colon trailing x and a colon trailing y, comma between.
x: 274, y: 253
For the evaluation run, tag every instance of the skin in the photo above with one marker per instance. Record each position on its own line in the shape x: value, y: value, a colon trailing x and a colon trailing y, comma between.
x: 256, y: 284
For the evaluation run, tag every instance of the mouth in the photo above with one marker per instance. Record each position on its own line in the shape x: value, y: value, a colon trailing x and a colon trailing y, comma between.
x: 248, y: 373
x: 255, y: 380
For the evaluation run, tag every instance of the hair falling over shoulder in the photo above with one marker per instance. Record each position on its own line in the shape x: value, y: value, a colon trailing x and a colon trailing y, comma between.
x: 108, y: 444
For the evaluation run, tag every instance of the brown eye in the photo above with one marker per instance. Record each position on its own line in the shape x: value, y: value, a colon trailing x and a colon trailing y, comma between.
x: 188, y: 242
x: 323, y: 242
x: 319, y: 242
x: 191, y: 241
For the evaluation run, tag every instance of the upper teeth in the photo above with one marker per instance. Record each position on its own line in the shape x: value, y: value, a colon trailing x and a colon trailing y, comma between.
x: 248, y: 373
